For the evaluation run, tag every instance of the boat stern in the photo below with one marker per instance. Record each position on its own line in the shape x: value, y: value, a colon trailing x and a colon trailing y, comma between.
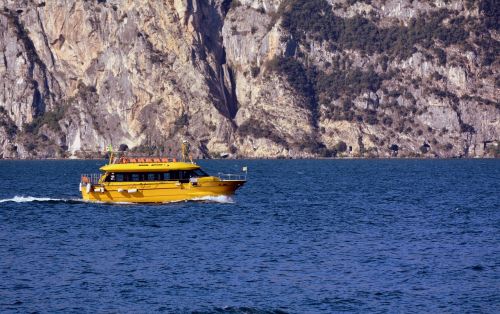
x: 89, y: 183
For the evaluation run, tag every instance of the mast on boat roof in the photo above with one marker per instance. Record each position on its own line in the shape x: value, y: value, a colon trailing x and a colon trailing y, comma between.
x: 109, y: 148
x: 185, y: 151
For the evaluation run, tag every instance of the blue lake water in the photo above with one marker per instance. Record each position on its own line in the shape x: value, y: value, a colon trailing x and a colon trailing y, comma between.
x: 303, y: 236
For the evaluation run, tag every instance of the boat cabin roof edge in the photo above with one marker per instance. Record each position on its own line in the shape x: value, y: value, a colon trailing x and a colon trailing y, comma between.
x: 149, y: 167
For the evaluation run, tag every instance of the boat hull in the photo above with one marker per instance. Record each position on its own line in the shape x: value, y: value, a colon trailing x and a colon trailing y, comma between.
x: 158, y: 192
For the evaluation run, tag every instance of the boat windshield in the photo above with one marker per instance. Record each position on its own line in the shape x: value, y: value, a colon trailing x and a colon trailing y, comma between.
x: 200, y: 173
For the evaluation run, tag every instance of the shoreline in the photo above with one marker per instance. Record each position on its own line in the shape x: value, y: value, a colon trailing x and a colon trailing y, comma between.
x: 272, y: 158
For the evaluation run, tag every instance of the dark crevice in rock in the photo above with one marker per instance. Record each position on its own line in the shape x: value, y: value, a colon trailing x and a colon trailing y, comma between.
x: 204, y: 149
x: 225, y: 6
x: 39, y: 99
x: 234, y: 101
x: 45, y: 39
x: 208, y: 22
x: 230, y: 103
x: 156, y: 56
x: 464, y: 127
x: 361, y: 144
x: 189, y: 10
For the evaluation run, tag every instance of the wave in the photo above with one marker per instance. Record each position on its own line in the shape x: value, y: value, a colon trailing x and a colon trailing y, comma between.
x: 224, y: 199
x: 241, y: 310
x: 28, y: 199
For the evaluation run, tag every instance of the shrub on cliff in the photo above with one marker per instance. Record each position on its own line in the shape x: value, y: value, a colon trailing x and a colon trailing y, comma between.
x: 7, y: 123
x: 316, y: 85
x: 182, y: 120
x: 371, y: 117
x: 298, y: 76
x: 258, y: 129
x: 491, y: 11
x: 314, y: 19
x: 347, y: 81
x: 235, y: 4
x: 49, y: 118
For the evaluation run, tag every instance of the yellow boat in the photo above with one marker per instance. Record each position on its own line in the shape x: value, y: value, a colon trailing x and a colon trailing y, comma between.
x: 155, y: 180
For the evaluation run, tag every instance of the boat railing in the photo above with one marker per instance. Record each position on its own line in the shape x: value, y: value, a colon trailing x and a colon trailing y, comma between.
x: 230, y: 176
x: 139, y: 159
x: 92, y: 178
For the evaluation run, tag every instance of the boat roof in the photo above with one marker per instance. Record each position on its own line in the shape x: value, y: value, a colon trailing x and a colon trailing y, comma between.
x: 149, y: 166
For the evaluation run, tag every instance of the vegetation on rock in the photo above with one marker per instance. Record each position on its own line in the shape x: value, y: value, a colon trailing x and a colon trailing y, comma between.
x: 315, y: 20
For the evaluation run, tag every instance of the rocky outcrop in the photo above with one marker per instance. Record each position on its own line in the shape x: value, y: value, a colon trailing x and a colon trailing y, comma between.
x: 253, y: 78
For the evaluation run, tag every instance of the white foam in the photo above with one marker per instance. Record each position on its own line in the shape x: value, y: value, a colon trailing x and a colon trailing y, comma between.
x: 224, y: 199
x: 216, y: 199
x: 26, y: 199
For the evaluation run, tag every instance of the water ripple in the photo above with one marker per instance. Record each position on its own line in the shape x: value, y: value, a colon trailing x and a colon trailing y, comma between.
x: 303, y: 236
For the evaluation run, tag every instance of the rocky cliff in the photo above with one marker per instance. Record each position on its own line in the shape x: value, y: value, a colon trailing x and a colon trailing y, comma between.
x: 252, y: 78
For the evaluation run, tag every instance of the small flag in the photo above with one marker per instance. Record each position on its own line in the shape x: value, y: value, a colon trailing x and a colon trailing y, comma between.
x: 109, y: 148
x: 245, y: 169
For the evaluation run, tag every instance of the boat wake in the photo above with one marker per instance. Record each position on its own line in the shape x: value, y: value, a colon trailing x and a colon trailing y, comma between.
x: 224, y: 199
x: 29, y: 199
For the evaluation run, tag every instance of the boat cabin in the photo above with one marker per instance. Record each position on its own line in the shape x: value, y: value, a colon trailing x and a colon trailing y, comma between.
x: 172, y: 175
x: 150, y: 170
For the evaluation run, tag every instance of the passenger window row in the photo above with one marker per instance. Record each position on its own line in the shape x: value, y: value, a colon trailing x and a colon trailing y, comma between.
x: 176, y: 175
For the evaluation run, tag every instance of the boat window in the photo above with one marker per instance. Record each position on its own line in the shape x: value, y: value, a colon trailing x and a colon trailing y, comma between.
x: 116, y: 177
x: 136, y: 177
x: 185, y: 175
x: 199, y: 173
x: 155, y: 176
x: 179, y: 175
x: 111, y: 177
x: 174, y: 175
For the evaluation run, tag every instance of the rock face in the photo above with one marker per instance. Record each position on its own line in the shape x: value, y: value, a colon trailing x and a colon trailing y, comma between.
x: 253, y: 78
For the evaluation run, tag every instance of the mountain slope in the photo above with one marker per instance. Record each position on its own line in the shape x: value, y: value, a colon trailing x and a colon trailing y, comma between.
x: 255, y: 78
